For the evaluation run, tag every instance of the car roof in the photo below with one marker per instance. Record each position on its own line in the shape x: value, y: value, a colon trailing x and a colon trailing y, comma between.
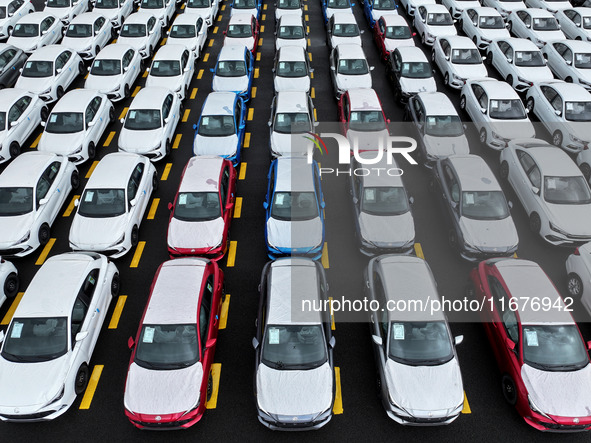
x: 26, y: 169
x: 49, y: 52
x: 113, y: 171
x: 496, y: 89
x: 576, y: 45
x: 520, y: 44
x: 292, y: 53
x: 291, y: 101
x: 412, y: 54
x: 344, y: 17
x: 114, y: 51
x: 473, y: 173
x: 202, y: 174
x: 176, y: 292
x: 458, y: 41
x: 487, y: 11
x: 232, y: 52
x: 290, y: 20
x: 525, y: 278
x: 56, y: 285
x: 240, y: 18
x: 150, y: 97
x: 9, y: 95
x: 554, y: 161
x: 535, y: 12
x: 292, y: 280
x: 75, y: 100
x: 364, y: 99
x: 219, y: 103
x: 170, y: 52
x: 350, y: 50
x: 86, y: 17
x: 187, y: 18
x: 434, y: 8
x: 437, y: 103
x: 35, y: 17
x: 294, y: 174
x: 568, y: 91
x: 138, y: 17
x: 394, y: 20
x: 382, y: 179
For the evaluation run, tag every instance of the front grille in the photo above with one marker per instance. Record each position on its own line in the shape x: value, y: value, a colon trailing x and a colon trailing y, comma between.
x: 165, y: 425
x: 38, y: 415
x: 557, y: 427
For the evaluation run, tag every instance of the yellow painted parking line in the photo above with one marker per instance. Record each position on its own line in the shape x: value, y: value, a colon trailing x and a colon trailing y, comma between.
x: 86, y: 76
x: 135, y: 261
x: 200, y: 74
x: 153, y: 208
x: 215, y: 30
x: 36, y: 142
x: 91, y: 170
x: 250, y: 114
x: 313, y: 93
x: 256, y: 75
x: 216, y: 370
x: 135, y: 91
x: 466, y: 409
x: 186, y: 115
x: 311, y: 75
x: 166, y: 172
x: 224, y: 312
x: 419, y: 251
x: 238, y: 207
x: 253, y: 92
x: 232, y: 254
x: 177, y: 140
x: 264, y: 17
x: 13, y: 306
x: 262, y: 28
x: 337, y: 407
x: 223, y: 8
x: 308, y: 31
x: 210, y: 44
x: 206, y: 57
x: 260, y: 42
x: 324, y: 259
x: 70, y: 207
x: 109, y: 139
x: 117, y: 312
x: 123, y: 113
x: 310, y: 56
x: 163, y: 41
x: 332, y: 326
x: 45, y: 252
x: 307, y: 18
x: 315, y: 116
x: 242, y: 173
x: 259, y: 56
x: 309, y: 42
x: 265, y: 7
x: 246, y: 143
x: 145, y: 74
x: 220, y: 18
x: 183, y: 6
x: 305, y: 7
x: 91, y: 388
x: 515, y: 255
x: 114, y: 41
x: 193, y: 93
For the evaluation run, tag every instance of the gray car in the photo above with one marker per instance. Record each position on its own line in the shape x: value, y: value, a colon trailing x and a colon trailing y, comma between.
x: 12, y: 59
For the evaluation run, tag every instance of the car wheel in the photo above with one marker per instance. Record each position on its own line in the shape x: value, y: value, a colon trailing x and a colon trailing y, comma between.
x: 75, y: 180
x: 135, y: 235
x: 586, y: 170
x: 126, y: 91
x: 423, y: 39
x: 59, y: 92
x: 529, y: 105
x: 44, y: 233
x: 475, y: 40
x: 504, y: 171
x: 115, y: 285
x: 574, y: 285
x: 44, y: 113
x: 168, y: 147
x: 509, y: 26
x: 446, y: 79
x: 81, y: 379
x: 97, y: 49
x: 81, y: 68
x: 568, y: 79
x: 463, y: 103
x: 11, y: 285
x: 557, y: 139
x: 91, y: 150
x: 112, y: 116
x: 433, y: 55
x: 155, y: 182
x: 509, y: 390
x: 14, y: 150
x: 535, y: 223
x: 489, y: 58
x: 9, y: 30
x: 510, y: 79
x: 482, y: 136
x: 209, y: 386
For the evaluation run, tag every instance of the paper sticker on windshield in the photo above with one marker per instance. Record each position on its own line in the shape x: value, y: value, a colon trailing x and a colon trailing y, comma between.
x: 97, y: 63
x: 455, y: 53
x: 280, y: 118
x: 398, y: 331
x: 148, y: 335
x: 494, y: 104
x: 131, y: 114
x: 273, y: 336
x: 174, y: 28
x: 72, y: 27
x: 29, y: 64
x: 205, y: 120
x: 156, y: 64
x: 52, y: 118
x: 282, y: 65
x: 551, y: 183
x: 370, y: 195
x: 536, y: 21
x: 88, y: 196
x: 125, y: 27
x: 569, y: 107
x: 17, y: 329
x: 209, y: 287
x: 183, y: 199
x: 279, y: 199
x: 531, y: 337
x: 469, y: 198
x: 343, y: 63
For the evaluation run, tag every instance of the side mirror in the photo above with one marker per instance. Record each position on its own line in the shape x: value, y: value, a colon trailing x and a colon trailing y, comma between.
x: 362, y: 31
x: 311, y: 70
x: 89, y: 68
x: 58, y: 70
x: 212, y: 70
x: 411, y: 200
x: 229, y: 205
x: 133, y: 202
x: 167, y: 32
x: 14, y: 123
x: 510, y: 204
x: 187, y: 69
x: 130, y: 343
x: 43, y: 32
x: 166, y: 120
x: 76, y: 203
x: 446, y: 57
x: 355, y: 200
x: 126, y: 69
x: 2, y: 337
x: 316, y: 124
x: 43, y: 201
x: 371, y: 68
x: 377, y: 340
x: 81, y: 335
x: 122, y: 120
x: 509, y: 59
x: 90, y: 124
x: 322, y: 204
x: 510, y: 344
x: 568, y: 62
x: 528, y: 26
x: 332, y: 342
x: 535, y: 190
x: 147, y: 69
x: 332, y: 68
x: 269, y: 123
x: 557, y: 112
x: 255, y: 343
x: 194, y: 127
x: 265, y: 205
x: 458, y: 340
x: 483, y: 110
x: 170, y: 206
x: 225, y: 32
x: 211, y: 343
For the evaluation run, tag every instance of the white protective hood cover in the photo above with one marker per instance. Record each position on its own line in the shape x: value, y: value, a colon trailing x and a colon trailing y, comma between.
x: 215, y: 145
x: 172, y: 83
x: 398, y: 229
x: 292, y: 392
x: 135, y: 42
x: 563, y: 394
x: 490, y: 234
x: 35, y: 85
x: 513, y: 129
x: 280, y: 42
x: 371, y: 140
x: 12, y: 229
x: 438, y: 31
x: 294, y: 234
x: 550, y: 36
x: 581, y: 130
x: 392, y: 43
x: 103, y: 83
x: 24, y: 43
x: 231, y: 84
x: 292, y: 83
x: 162, y: 392
x: 62, y: 144
x: 573, y: 219
x: 346, y: 82
x: 535, y: 73
x: 470, y: 71
x: 418, y: 84
x: 336, y: 41
x: 140, y: 141
x: 246, y: 41
x: 511, y: 5
x: 444, y: 146
x: 195, y: 234
x: 492, y: 34
x: 97, y: 232
x: 286, y: 144
x: 77, y: 44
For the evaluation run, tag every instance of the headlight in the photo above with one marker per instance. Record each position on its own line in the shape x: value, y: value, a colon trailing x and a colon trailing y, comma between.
x: 577, y: 140
x: 47, y: 91
x: 142, y: 48
x: 59, y: 395
x: 398, y: 407
x: 557, y: 229
x: 523, y: 80
x: 485, y: 40
x: 88, y: 48
x: 121, y: 239
x: 458, y: 78
x: 584, y: 82
x: 195, y: 406
x: 533, y: 407
x: 215, y: 247
x: 78, y: 150
x: 24, y: 239
x: 368, y: 244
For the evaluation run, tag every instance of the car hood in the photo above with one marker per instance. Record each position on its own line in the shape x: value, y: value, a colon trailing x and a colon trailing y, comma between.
x: 58, y: 12
x: 140, y: 141
x: 186, y: 42
x: 96, y: 233
x: 413, y: 85
x: 392, y: 43
x: 383, y: 230
x: 195, y: 234
x: 511, y: 6
x: 294, y: 234
x: 470, y: 71
x: 513, y: 129
x: 292, y: 84
x: 491, y: 235
x: 24, y: 43
x: 424, y: 389
x: 346, y: 82
x: 135, y: 42
x: 62, y: 144
x: 549, y: 36
x: 492, y: 34
x: 573, y: 219
x: 581, y: 130
x: 535, y: 74
x: 246, y: 41
x: 280, y: 42
x: 224, y: 146
x: 294, y: 392
x: 444, y: 146
x: 368, y: 140
x: 77, y: 44
x: 561, y: 394
x: 344, y: 40
x: 103, y: 83
x: 35, y: 85
x: 285, y: 144
x: 441, y: 30
x: 171, y: 83
x: 12, y: 229
x: 231, y: 84
x: 162, y: 392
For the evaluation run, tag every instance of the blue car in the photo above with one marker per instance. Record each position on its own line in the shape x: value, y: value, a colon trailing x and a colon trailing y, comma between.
x: 220, y: 129
x: 294, y: 209
x: 234, y: 71
x: 329, y: 7
x: 248, y: 6
x: 374, y: 9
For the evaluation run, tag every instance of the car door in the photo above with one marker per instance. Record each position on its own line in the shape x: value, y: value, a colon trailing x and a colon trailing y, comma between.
x: 167, y: 122
x: 186, y: 67
x: 208, y: 319
x: 470, y: 26
x: 136, y: 195
x: 127, y: 68
x: 529, y: 180
x: 355, y: 190
x: 450, y: 189
x: 14, y: 127
x: 420, y: 20
x: 480, y: 107
x: 522, y: 26
x: 101, y: 26
x: 26, y: 121
x: 504, y: 63
x: 441, y: 51
x: 47, y: 204
x: 379, y: 31
x: 93, y: 122
x: 85, y: 317
x: 201, y: 35
x: 549, y: 108
x: 571, y: 25
x: 153, y: 32
x: 563, y: 66
x: 380, y: 325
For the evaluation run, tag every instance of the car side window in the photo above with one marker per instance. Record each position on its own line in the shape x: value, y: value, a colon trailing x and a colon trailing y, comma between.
x: 199, y: 25
x: 382, y: 26
x: 507, y: 315
x: 531, y: 169
x: 12, y: 7
x: 62, y: 59
x: 238, y: 111
x: 98, y: 24
x: 92, y: 109
x: 24, y: 102
x: 567, y: 54
x: 397, y: 62
x: 45, y: 24
x: 83, y: 302
x: 472, y: 15
x: 452, y: 184
x: 151, y: 23
x: 205, y: 309
x: 225, y: 183
x: 14, y: 113
x: 46, y: 180
x: 556, y: 102
x: 480, y: 95
x: 166, y: 106
x: 127, y: 57
x: 380, y: 295
x: 184, y: 59
x: 7, y: 56
x: 548, y: 92
x: 134, y: 181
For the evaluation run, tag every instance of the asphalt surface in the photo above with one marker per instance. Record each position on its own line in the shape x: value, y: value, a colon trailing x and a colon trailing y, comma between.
x: 234, y: 418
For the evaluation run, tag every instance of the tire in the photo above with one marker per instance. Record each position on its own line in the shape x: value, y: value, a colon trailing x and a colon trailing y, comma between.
x: 44, y: 234
x: 97, y: 49
x: 586, y: 170
x: 509, y: 27
x: 510, y: 79
x: 578, y: 38
x: 483, y: 136
x: 168, y: 148
x: 557, y: 139
x: 155, y: 182
x: 112, y: 115
x: 81, y: 68
x: 59, y: 92
x: 44, y: 113
x: 535, y: 223
x: 115, y: 285
x: 81, y: 379
x: 574, y: 285
x: 135, y: 236
x: 423, y: 40
x: 91, y: 151
x: 509, y: 390
x: 75, y: 180
x: 475, y: 40
x: 126, y: 91
x: 11, y: 285
x: 14, y: 150
x: 504, y: 170
x: 489, y: 58
x: 9, y: 31
x: 463, y: 102
x: 433, y: 55
x: 446, y: 79
x: 529, y: 104
x: 209, y: 386
x: 568, y: 79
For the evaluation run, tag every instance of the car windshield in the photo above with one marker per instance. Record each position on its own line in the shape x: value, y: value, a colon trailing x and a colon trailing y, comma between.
x: 290, y: 32
x: 38, y: 69
x: 165, y: 68
x: 295, y: 206
x: 106, y: 67
x: 183, y: 31
x: 353, y: 66
x: 439, y: 19
x: 65, y: 123
x: 197, y: 206
x: 239, y: 31
x: 546, y: 24
x: 133, y: 30
x: 244, y: 4
x: 416, y: 70
x: 2, y: 12
x: 367, y: 121
x: 163, y: 347
x: 152, y: 4
x: 587, y: 22
x: 292, y: 123
x: 398, y: 32
x: 106, y: 4
x: 554, y: 347
x: 143, y: 119
x: 36, y: 339
x: 292, y: 69
x: 420, y: 343
x: 466, y: 57
x: 25, y: 30
x: 294, y: 346
x: 444, y: 126
x: 507, y: 109
x: 492, y: 22
x: 345, y: 30
x: 288, y: 4
x: 529, y: 58
x: 81, y: 30
x: 384, y: 5
x: 2, y: 121
x: 583, y: 60
x: 566, y: 190
x: 227, y: 68
x: 577, y: 111
x: 217, y: 126
x: 96, y: 203
x: 385, y: 200
x: 337, y: 4
x: 15, y: 201
x: 198, y: 4
x: 484, y: 205
x: 58, y: 3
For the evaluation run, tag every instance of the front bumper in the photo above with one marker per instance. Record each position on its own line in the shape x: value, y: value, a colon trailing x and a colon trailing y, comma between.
x: 294, y: 423
x: 165, y: 422
x: 314, y: 253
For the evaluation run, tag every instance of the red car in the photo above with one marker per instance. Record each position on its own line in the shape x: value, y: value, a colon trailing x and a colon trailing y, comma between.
x: 243, y: 29
x: 169, y: 378
x: 202, y: 210
x: 390, y: 32
x: 546, y: 373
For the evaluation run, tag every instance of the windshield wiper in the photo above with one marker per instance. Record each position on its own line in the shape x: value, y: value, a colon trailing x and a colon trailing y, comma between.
x: 279, y: 364
x: 13, y: 357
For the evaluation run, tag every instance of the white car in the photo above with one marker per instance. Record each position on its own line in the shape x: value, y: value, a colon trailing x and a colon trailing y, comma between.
x: 409, y: 72
x: 458, y: 59
x: 36, y: 30
x: 457, y: 7
x: 33, y: 188
x: 288, y: 7
x: 537, y: 25
x: 578, y: 271
x: 150, y: 123
x: 116, y: 11
x: 50, y: 71
x: 342, y: 28
x: 411, y: 5
x: 243, y: 29
x: 76, y: 124
x: 292, y: 112
x: 114, y: 71
x: 141, y: 31
x: 362, y: 119
x: 497, y: 112
x: 20, y: 114
x: 234, y: 70
x: 570, y: 60
x: 504, y: 6
x: 208, y: 9
x: 87, y: 34
x: 291, y: 32
x: 246, y: 7
x: 518, y: 61
x: 188, y: 30
x: 48, y: 346
x: 349, y: 69
x: 552, y: 6
x: 172, y: 68
x: 483, y: 25
x: 113, y: 204
x: 432, y: 21
x: 575, y: 23
x: 11, y: 12
x: 291, y: 71
x: 9, y: 280
x: 551, y: 188
x: 565, y: 110
x: 66, y: 10
x: 163, y: 10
